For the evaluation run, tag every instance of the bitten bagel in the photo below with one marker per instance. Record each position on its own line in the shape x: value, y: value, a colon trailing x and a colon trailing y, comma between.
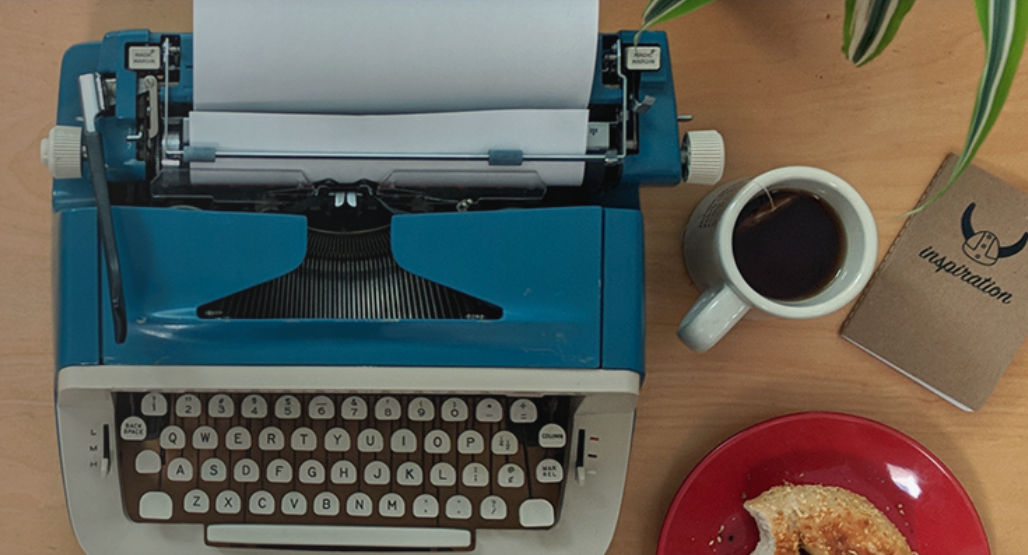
x: 822, y: 520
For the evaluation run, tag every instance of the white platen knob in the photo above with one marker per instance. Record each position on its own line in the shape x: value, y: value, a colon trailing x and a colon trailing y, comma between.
x: 61, y: 152
x: 703, y: 157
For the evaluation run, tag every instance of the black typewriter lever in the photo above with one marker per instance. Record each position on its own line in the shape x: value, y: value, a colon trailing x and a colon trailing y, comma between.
x: 92, y: 104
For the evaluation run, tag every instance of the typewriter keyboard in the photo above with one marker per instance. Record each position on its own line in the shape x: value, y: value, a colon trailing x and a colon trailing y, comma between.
x: 365, y: 460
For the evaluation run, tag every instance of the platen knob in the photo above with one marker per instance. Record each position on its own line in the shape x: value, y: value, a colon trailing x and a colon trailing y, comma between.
x: 61, y: 152
x: 703, y: 157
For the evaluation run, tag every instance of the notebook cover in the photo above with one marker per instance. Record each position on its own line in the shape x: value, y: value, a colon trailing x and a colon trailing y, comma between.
x: 948, y: 306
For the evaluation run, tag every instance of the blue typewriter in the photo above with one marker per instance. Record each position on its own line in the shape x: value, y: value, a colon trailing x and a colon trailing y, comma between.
x: 277, y: 333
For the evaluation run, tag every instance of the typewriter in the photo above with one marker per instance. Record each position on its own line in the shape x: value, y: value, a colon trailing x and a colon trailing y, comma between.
x: 285, y: 351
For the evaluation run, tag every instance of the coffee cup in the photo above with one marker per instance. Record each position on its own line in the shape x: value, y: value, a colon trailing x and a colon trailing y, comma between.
x: 795, y: 242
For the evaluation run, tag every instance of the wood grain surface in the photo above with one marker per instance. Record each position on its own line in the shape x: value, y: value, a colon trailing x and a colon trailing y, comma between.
x: 769, y: 75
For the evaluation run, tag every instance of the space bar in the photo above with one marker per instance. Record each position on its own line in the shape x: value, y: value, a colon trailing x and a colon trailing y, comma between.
x: 337, y: 536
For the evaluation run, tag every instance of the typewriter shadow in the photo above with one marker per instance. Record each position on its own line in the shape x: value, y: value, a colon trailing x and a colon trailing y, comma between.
x: 157, y: 16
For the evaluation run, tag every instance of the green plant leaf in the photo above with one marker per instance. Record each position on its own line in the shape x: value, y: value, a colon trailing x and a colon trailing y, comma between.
x: 870, y: 26
x: 659, y: 11
x: 1004, y: 24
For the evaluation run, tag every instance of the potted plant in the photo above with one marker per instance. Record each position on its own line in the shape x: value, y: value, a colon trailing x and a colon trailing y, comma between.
x: 869, y: 27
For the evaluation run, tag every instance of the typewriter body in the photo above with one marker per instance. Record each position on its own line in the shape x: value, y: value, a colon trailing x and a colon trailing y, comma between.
x: 281, y: 360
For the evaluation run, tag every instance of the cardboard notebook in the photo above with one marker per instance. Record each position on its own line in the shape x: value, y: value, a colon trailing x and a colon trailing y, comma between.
x: 948, y: 306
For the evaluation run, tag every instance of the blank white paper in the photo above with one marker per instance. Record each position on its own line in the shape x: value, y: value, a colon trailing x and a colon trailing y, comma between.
x: 393, y: 56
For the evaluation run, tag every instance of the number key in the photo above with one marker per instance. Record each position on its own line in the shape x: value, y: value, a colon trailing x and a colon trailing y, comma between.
x: 321, y: 408
x: 154, y: 404
x: 287, y: 407
x: 421, y: 409
x: 254, y: 406
x: 354, y: 408
x: 188, y: 405
x: 455, y: 410
x: 221, y: 406
x: 387, y: 408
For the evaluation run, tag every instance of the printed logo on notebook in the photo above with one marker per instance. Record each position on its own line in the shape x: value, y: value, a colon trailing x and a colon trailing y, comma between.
x: 983, y: 246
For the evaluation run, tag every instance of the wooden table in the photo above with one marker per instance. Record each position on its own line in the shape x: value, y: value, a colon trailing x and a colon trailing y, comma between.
x: 770, y: 77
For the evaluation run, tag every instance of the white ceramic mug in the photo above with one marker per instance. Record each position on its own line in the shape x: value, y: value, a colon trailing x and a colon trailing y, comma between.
x: 726, y: 296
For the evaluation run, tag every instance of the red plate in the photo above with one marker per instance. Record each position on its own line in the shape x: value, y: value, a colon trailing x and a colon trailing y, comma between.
x: 902, y: 478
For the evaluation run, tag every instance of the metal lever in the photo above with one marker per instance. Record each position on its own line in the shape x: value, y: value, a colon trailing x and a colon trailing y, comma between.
x: 91, y: 94
x: 642, y: 106
x: 153, y: 105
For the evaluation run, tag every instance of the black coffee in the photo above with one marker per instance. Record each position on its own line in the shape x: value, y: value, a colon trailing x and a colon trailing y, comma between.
x: 788, y: 247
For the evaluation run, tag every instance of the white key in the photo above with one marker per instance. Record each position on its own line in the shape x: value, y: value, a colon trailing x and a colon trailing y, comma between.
x: 493, y: 508
x: 391, y: 505
x: 173, y: 437
x: 409, y: 474
x: 387, y: 408
x: 425, y: 506
x: 205, y: 437
x: 470, y: 442
x: 196, y: 502
x: 442, y: 475
x: 510, y: 476
x: 133, y: 429
x: 228, y: 503
x: 294, y: 504
x: 326, y: 504
x: 552, y: 436
x: 287, y: 407
x: 403, y: 441
x: 354, y: 408
x: 312, y: 472
x: 420, y: 409
x: 303, y: 439
x: 358, y: 504
x: 238, y: 439
x: 343, y: 472
x: 154, y: 404
x: 213, y: 470
x: 221, y: 406
x: 280, y: 471
x: 504, y: 443
x: 180, y: 470
x: 523, y: 411
x: 370, y: 441
x: 337, y: 440
x: 155, y: 505
x: 437, y: 442
x: 549, y: 471
x: 246, y: 471
x: 458, y: 507
x: 489, y: 410
x: 188, y: 406
x: 254, y: 406
x: 455, y: 410
x: 262, y: 503
x: 271, y: 439
x: 321, y: 408
x: 475, y: 475
x: 148, y: 462
x: 536, y: 513
x: 376, y: 473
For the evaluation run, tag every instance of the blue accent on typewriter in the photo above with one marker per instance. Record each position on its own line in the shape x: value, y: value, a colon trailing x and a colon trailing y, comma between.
x: 566, y: 277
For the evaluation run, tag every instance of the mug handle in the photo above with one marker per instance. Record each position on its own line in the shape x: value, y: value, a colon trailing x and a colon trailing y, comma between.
x: 710, y: 318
